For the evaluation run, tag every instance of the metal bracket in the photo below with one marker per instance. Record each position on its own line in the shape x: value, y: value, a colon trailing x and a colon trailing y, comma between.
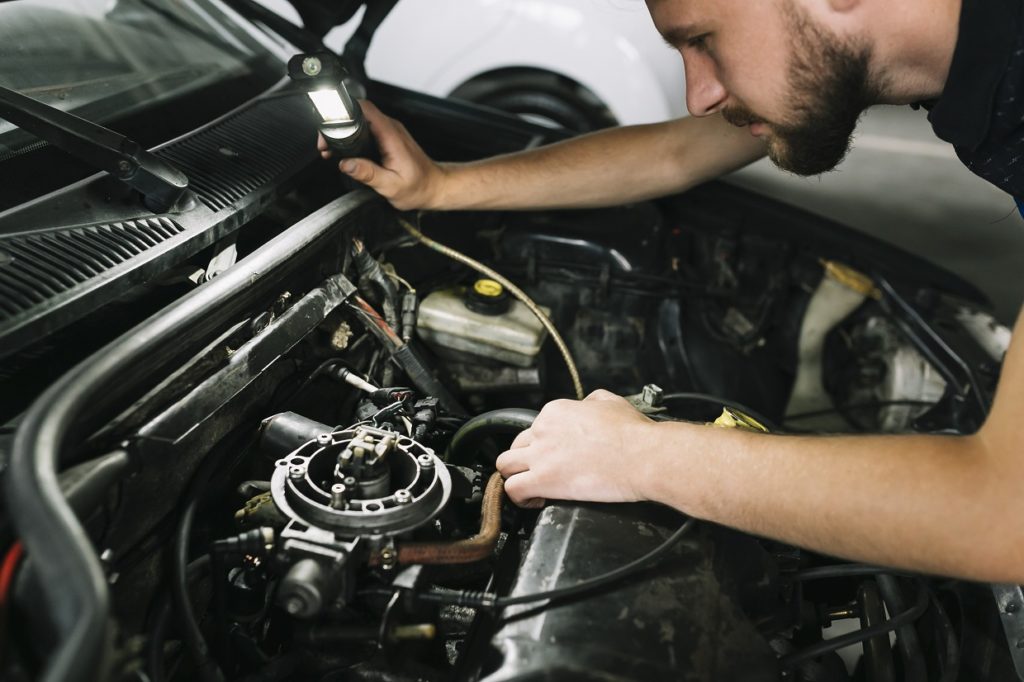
x: 1010, y: 600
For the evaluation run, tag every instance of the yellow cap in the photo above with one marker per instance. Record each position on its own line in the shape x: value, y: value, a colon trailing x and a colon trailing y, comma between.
x: 488, y: 288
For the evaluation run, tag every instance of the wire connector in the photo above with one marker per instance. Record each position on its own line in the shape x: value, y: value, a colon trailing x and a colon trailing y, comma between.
x: 258, y: 541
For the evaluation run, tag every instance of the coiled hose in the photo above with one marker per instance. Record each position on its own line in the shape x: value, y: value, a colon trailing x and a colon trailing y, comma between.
x: 518, y: 293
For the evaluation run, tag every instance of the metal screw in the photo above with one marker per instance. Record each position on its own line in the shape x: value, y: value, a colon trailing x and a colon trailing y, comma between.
x: 1012, y: 607
x: 124, y: 167
x: 388, y: 556
x: 324, y: 439
x: 339, y: 498
x: 425, y: 461
x: 349, y: 481
x: 311, y: 66
x: 403, y: 497
x: 296, y: 471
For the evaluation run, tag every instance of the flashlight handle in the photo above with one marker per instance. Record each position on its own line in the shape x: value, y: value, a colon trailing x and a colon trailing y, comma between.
x: 359, y: 144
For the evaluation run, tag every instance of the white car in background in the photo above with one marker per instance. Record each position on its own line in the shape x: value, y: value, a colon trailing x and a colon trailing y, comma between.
x: 585, y: 64
x: 580, y: 64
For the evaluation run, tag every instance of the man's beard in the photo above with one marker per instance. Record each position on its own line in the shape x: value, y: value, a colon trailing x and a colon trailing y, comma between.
x: 829, y: 89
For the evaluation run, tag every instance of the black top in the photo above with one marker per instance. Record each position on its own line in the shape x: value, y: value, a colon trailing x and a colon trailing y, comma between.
x: 981, y: 110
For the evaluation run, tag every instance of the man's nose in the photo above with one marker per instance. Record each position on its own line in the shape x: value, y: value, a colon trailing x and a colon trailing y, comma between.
x: 705, y: 94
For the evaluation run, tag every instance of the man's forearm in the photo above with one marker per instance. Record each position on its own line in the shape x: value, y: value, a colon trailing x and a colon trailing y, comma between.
x: 605, y: 168
x: 929, y: 503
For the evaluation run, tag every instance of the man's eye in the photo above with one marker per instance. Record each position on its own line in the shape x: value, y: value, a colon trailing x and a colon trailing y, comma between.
x: 698, y: 42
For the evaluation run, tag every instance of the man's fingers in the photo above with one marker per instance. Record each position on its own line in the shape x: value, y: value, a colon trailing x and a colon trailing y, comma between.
x: 601, y: 394
x: 520, y: 489
x: 512, y: 462
x: 366, y: 172
x: 522, y: 439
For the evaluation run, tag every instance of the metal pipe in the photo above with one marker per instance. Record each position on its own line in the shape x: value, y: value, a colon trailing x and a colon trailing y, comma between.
x: 77, y: 599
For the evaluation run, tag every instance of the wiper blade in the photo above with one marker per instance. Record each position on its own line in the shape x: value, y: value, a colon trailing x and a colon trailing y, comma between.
x: 162, y: 186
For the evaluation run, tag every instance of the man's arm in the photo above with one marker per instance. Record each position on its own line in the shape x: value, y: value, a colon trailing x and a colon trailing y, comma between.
x: 604, y: 168
x: 941, y: 504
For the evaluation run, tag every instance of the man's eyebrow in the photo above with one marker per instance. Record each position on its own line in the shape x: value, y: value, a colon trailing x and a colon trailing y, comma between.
x: 677, y: 36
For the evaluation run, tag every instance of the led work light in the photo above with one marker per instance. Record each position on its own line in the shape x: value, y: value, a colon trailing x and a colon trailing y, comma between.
x: 340, y: 118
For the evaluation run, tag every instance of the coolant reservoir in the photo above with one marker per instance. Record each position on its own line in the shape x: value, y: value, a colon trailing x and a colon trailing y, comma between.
x: 481, y: 321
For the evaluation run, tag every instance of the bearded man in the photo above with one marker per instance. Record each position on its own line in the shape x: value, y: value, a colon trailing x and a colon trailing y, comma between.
x: 790, y: 79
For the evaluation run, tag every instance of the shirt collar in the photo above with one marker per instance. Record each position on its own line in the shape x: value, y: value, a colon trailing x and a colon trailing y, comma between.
x: 987, y: 35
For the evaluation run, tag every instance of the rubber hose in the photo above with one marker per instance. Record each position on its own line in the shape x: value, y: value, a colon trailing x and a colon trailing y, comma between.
x: 162, y: 621
x: 914, y: 669
x: 506, y: 421
x: 480, y: 546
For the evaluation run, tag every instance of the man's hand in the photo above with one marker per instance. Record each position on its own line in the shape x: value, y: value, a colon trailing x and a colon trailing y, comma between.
x: 406, y: 176
x: 579, y: 450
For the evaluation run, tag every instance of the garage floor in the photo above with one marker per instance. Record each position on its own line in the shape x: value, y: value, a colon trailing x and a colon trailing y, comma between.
x: 902, y: 184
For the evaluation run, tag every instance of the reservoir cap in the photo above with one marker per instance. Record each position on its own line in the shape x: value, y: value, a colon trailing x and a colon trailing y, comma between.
x: 488, y: 297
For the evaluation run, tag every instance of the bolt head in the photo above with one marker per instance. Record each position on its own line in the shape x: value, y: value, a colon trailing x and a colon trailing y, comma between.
x: 312, y: 66
x: 296, y: 471
x: 425, y: 461
x: 324, y: 439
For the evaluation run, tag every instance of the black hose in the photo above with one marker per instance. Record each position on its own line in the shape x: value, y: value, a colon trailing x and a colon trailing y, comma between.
x: 826, y: 646
x: 76, y: 596
x: 950, y: 663
x: 914, y: 666
x: 722, y: 402
x: 613, y: 576
x: 191, y: 634
x: 499, y: 422
x: 84, y: 486
x: 161, y: 623
x: 491, y: 601
x: 878, y: 662
x: 841, y: 571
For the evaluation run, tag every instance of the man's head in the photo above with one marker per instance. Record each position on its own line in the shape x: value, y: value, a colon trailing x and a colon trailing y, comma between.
x: 775, y: 67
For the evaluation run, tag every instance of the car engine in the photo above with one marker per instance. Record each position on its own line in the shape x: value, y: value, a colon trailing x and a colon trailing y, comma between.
x: 253, y: 437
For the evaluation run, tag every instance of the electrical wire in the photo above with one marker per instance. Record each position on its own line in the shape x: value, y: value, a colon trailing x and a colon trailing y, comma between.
x: 950, y: 662
x: 492, y: 601
x: 8, y: 569
x: 842, y: 571
x: 826, y: 646
x: 518, y: 293
x: 876, y: 405
x: 722, y: 402
x: 162, y: 622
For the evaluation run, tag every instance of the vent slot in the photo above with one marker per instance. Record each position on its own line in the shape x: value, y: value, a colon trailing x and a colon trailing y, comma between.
x: 241, y: 154
x: 35, y: 268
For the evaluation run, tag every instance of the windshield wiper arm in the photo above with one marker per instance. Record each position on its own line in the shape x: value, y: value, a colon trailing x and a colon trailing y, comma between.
x: 163, y: 187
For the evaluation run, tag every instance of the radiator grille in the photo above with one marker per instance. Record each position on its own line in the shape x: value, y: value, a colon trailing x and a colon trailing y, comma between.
x: 35, y: 268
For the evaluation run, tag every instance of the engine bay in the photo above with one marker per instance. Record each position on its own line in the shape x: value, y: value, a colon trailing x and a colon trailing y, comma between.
x: 285, y: 469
